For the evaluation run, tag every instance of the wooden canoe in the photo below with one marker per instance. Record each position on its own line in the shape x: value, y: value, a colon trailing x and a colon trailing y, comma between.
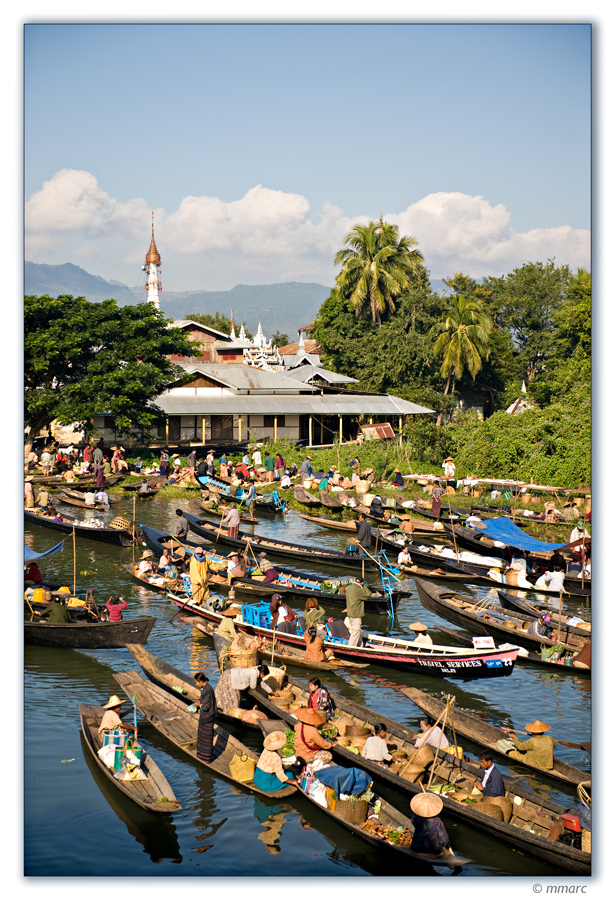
x: 534, y: 611
x: 467, y: 612
x: 486, y: 735
x: 303, y: 496
x: 170, y: 679
x: 329, y: 500
x: 104, y: 533
x: 170, y: 717
x: 532, y: 811
x: 89, y: 635
x: 270, y: 650
x: 72, y: 501
x: 78, y: 495
x: 279, y: 548
x: 153, y: 793
x: 85, y: 482
x: 389, y: 817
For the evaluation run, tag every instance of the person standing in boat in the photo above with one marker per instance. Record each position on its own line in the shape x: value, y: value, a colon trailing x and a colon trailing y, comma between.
x: 250, y: 497
x: 183, y: 526
x: 320, y: 698
x: 207, y: 717
x: 28, y: 493
x: 364, y: 532
x: 269, y: 774
x: 436, y: 498
x: 538, y: 751
x: 357, y: 593
x: 231, y: 520
x: 492, y: 783
x: 200, y: 567
x: 449, y: 471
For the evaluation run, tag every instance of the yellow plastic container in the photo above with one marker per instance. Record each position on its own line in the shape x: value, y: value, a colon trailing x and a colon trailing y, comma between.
x: 39, y: 595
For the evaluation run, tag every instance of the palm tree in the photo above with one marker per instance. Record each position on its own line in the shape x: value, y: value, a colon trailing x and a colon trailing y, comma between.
x: 463, y: 341
x: 376, y: 265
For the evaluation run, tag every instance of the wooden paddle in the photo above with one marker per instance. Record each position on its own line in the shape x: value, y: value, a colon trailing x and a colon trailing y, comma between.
x: 563, y: 743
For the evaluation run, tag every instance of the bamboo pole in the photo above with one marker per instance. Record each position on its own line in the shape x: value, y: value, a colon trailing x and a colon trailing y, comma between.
x: 386, y: 569
x: 134, y: 501
x: 74, y: 563
x: 559, y: 621
x: 452, y: 526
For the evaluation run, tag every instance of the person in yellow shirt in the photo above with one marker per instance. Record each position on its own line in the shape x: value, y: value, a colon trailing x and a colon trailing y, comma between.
x: 200, y: 567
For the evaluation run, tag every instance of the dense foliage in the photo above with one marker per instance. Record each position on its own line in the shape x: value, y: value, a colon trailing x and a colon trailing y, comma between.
x: 218, y: 321
x: 83, y: 359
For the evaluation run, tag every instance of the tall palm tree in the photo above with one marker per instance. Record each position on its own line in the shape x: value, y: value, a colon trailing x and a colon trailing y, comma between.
x: 376, y: 266
x: 463, y: 341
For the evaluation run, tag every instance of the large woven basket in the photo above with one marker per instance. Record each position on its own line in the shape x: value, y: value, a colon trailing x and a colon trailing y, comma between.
x: 357, y: 731
x: 354, y: 811
x: 586, y: 840
x: 491, y: 809
x: 504, y: 803
x: 423, y: 756
x: 120, y: 522
x: 243, y: 659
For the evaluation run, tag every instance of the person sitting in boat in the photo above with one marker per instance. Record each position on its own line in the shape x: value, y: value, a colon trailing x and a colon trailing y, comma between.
x: 538, y: 751
x: 231, y: 520
x: 376, y: 508
x: 540, y: 627
x: 314, y: 646
x: 33, y: 575
x: 268, y: 570
x: 56, y: 612
x: 226, y: 628
x: 111, y: 719
x: 42, y: 498
x: 375, y: 747
x: 285, y: 481
x: 308, y: 740
x: 115, y: 606
x: 89, y: 498
x: 552, y: 580
x: 314, y: 614
x: 492, y: 783
x: 164, y: 562
x: 430, y: 835
x: 145, y: 488
x: 269, y: 774
x: 144, y: 567
x: 282, y: 616
x: 237, y: 566
x: 404, y: 560
x: 432, y: 735
x: 102, y: 497
x: 420, y: 634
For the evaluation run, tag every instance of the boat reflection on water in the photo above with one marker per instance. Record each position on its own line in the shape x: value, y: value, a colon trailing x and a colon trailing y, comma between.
x: 155, y: 833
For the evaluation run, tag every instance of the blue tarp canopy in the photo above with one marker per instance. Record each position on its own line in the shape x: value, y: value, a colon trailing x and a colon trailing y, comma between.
x: 344, y: 781
x: 30, y: 555
x: 505, y: 530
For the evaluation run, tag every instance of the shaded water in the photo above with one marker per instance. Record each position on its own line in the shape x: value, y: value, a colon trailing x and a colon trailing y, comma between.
x: 90, y: 829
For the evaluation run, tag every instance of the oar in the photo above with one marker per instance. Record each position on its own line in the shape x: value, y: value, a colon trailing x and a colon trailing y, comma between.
x: 180, y: 609
x: 134, y: 704
x: 563, y: 743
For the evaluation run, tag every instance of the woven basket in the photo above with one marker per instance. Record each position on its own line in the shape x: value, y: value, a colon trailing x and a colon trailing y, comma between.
x: 362, y: 487
x: 281, y: 702
x: 243, y: 659
x: 357, y: 731
x: 120, y: 522
x: 491, y: 809
x: 586, y: 840
x: 423, y: 756
x: 354, y: 811
x: 410, y: 772
x: 504, y: 803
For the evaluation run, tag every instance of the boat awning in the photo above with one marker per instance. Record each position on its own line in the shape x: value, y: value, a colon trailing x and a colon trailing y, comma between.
x: 30, y: 555
x: 504, y: 530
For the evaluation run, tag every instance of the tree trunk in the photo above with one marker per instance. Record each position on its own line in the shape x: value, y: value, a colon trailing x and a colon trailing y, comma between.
x: 448, y: 384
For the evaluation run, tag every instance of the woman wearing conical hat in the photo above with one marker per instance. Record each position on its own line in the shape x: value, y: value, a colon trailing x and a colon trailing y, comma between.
x: 430, y: 835
x: 538, y: 751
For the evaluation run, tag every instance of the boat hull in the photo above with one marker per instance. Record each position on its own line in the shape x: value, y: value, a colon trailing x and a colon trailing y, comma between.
x: 89, y: 635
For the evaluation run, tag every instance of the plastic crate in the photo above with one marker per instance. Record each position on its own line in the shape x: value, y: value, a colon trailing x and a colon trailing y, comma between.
x: 257, y: 614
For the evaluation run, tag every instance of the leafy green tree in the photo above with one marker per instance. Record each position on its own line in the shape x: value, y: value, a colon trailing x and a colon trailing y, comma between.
x: 218, y: 321
x: 279, y: 339
x: 377, y: 265
x: 82, y: 359
x: 463, y: 339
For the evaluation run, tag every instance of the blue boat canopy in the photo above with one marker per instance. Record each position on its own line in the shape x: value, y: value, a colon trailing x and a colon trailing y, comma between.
x: 504, y: 530
x: 30, y: 555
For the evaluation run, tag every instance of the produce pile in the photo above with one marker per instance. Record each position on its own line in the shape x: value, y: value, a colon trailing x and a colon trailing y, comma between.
x: 397, y: 837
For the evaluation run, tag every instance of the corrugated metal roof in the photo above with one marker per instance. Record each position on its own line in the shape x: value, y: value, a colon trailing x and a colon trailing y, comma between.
x: 240, y: 377
x: 352, y: 404
x: 183, y: 323
x: 305, y: 373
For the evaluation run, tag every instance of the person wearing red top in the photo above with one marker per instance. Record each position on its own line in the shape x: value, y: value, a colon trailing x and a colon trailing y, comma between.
x: 115, y: 605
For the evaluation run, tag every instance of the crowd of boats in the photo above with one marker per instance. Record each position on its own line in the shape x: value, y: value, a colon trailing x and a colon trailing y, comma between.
x: 391, y: 556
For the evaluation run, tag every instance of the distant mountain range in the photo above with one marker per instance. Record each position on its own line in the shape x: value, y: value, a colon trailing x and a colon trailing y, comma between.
x: 278, y: 307
x: 283, y: 307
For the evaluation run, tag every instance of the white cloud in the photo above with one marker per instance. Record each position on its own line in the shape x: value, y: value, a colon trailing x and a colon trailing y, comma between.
x: 269, y: 235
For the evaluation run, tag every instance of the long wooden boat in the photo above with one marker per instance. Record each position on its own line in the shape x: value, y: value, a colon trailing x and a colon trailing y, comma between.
x: 175, y: 682
x: 136, y: 489
x: 389, y: 818
x: 449, y: 662
x: 263, y: 502
x: 534, y: 611
x: 72, y: 501
x: 456, y: 513
x: 303, y: 496
x: 83, y: 481
x: 153, y: 793
x: 572, y: 585
x: 106, y: 533
x: 86, y: 484
x: 531, y: 810
x: 271, y: 650
x: 216, y: 514
x: 78, y: 495
x: 486, y: 735
x: 279, y: 548
x: 290, y: 583
x: 466, y: 612
x: 89, y: 635
x: 329, y: 500
x: 333, y: 524
x: 529, y: 657
x: 168, y: 714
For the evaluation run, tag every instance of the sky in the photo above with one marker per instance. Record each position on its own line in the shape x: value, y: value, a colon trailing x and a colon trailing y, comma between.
x: 259, y: 146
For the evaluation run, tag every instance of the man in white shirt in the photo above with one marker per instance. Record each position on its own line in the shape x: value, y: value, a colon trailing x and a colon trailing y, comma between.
x: 90, y: 498
x: 432, y: 735
x: 375, y: 747
x: 420, y: 635
x: 257, y: 459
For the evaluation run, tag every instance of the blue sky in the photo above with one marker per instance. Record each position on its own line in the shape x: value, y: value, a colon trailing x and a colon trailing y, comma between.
x: 259, y: 146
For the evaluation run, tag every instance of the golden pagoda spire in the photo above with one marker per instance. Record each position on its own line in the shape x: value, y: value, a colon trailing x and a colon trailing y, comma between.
x: 152, y: 254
